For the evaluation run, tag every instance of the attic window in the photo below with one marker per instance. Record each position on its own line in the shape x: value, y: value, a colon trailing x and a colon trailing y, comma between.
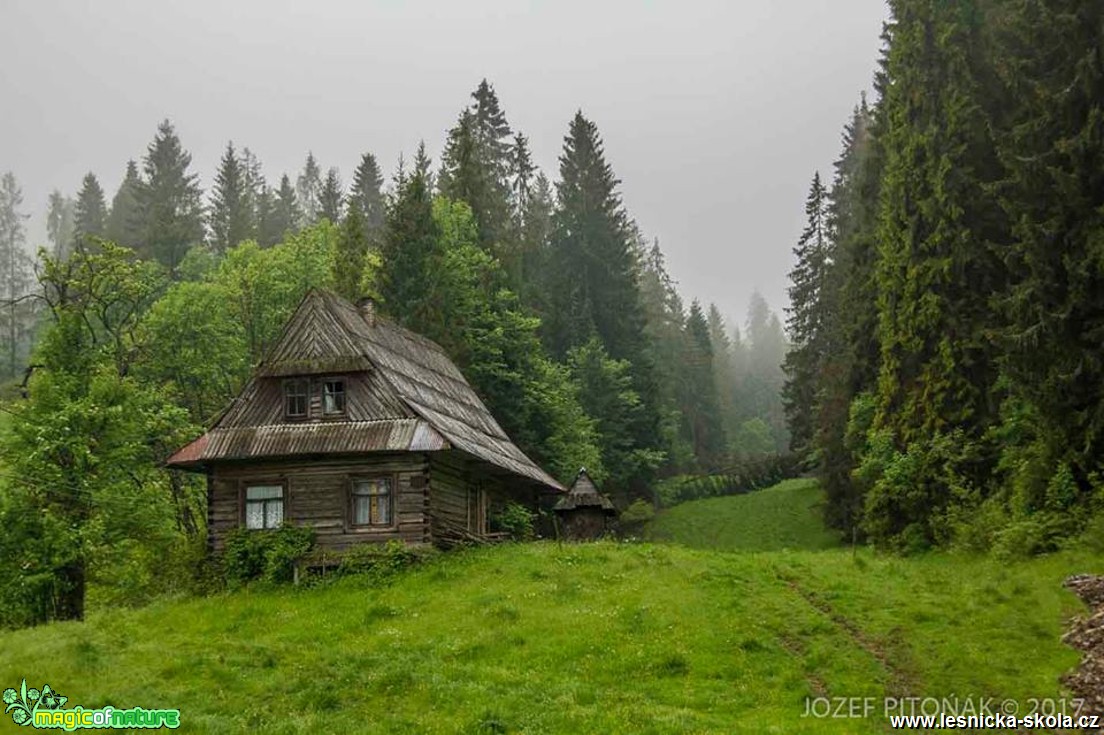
x: 296, y: 398
x: 333, y: 397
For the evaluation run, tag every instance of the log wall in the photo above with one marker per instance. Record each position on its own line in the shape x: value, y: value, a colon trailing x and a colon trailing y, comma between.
x: 317, y: 493
x: 441, y: 497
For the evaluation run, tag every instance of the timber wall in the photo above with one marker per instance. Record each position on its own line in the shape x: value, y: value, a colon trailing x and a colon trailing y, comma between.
x: 317, y: 494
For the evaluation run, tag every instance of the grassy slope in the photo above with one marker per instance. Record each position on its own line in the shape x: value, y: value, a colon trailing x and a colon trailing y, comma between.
x: 612, y: 638
x: 786, y: 516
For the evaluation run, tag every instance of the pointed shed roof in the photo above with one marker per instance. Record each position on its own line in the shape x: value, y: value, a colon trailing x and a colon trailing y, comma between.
x: 420, y: 400
x: 584, y: 494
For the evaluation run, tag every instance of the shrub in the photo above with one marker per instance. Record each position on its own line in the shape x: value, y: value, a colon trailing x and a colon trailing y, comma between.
x: 267, y: 555
x: 516, y: 520
x: 914, y: 495
x: 380, y: 560
x: 637, y: 514
x: 746, y: 476
x: 1093, y: 537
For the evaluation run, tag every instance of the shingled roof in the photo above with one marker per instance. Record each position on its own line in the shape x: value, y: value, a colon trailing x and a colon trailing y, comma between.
x: 413, y: 397
x: 584, y: 494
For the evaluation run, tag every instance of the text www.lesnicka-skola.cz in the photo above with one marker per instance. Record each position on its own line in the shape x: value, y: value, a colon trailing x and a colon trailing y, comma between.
x: 954, y: 712
x: 994, y: 722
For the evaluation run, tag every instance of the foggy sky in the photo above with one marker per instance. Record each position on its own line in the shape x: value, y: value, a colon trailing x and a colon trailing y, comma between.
x: 714, y: 114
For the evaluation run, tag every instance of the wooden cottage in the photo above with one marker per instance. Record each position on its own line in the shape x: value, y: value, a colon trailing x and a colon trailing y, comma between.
x: 363, y: 430
x: 584, y: 512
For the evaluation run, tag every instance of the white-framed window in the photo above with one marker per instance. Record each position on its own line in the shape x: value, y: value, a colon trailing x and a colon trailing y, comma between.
x: 333, y: 396
x: 264, y: 506
x: 373, y: 502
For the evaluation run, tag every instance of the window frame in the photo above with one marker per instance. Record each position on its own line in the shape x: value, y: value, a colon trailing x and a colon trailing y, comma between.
x: 244, y: 502
x: 351, y: 525
x: 344, y: 396
x: 288, y: 383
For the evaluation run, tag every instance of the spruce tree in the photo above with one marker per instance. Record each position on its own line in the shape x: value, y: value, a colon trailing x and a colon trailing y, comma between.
x: 806, y: 320
x: 59, y: 224
x: 475, y: 168
x: 15, y: 273
x: 492, y: 131
x: 592, y: 264
x: 352, y: 252
x: 592, y: 289
x: 422, y: 165
x: 665, y: 320
x: 332, y: 197
x: 90, y: 213
x: 269, y: 230
x: 286, y: 215
x: 461, y: 174
x: 254, y: 185
x: 308, y: 189
x: 535, y: 238
x: 169, y: 200
x: 367, y: 194
x: 724, y: 369
x: 702, y: 414
x: 937, y: 268
x: 231, y: 203
x: 409, y: 244
x: 522, y: 172
x: 124, y: 223
x: 1053, y: 193
x: 850, y: 302
x: 762, y: 385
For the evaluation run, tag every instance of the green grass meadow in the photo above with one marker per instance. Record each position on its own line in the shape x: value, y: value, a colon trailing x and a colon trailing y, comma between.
x: 595, y: 638
x: 786, y: 516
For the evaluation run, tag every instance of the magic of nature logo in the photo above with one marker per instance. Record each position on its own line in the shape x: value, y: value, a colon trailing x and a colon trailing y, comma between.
x: 45, y: 708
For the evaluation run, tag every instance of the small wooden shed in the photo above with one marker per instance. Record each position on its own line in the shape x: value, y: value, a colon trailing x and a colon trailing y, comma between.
x: 584, y: 512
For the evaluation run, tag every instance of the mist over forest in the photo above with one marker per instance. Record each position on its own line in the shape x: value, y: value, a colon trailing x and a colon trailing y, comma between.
x: 855, y: 363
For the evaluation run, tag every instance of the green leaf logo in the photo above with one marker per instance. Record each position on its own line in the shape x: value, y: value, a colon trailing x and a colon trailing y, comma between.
x: 23, y: 704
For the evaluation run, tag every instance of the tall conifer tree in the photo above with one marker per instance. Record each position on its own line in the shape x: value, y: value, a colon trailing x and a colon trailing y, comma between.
x: 939, y: 235
x: 592, y: 289
x: 1053, y: 193
x: 169, y: 200
x: 806, y: 319
x: 286, y: 215
x: 15, y: 273
x: 475, y: 168
x: 331, y: 199
x: 124, y: 223
x: 232, y: 203
x: 308, y: 189
x: 702, y: 414
x: 410, y: 242
x: 367, y: 194
x: 90, y: 213
x: 59, y: 224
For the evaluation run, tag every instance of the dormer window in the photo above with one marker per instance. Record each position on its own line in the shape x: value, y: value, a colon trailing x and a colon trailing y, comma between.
x: 333, y: 397
x: 296, y: 398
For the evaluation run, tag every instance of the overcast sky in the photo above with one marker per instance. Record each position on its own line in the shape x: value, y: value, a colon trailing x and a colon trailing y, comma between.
x: 714, y: 114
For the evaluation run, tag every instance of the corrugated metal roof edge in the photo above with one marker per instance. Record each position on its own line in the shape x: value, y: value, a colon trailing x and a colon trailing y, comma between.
x: 532, y: 471
x: 191, y: 456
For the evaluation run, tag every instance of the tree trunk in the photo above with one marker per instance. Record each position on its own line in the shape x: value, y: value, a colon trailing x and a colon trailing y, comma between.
x: 70, y: 603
